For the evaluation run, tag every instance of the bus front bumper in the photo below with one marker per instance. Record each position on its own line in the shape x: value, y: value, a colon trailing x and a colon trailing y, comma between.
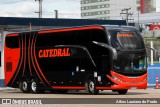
x: 125, y: 82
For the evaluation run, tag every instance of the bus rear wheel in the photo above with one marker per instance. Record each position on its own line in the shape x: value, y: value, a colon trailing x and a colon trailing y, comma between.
x: 122, y: 92
x: 24, y: 86
x: 92, y: 87
x: 34, y: 87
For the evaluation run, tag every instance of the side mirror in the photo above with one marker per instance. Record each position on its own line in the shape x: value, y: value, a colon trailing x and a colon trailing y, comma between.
x: 114, y: 52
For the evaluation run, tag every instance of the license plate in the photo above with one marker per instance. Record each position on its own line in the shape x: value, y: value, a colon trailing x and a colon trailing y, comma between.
x: 133, y: 88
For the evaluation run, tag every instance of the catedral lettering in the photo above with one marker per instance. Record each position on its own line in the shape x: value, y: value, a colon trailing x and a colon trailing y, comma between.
x: 125, y: 35
x: 53, y: 53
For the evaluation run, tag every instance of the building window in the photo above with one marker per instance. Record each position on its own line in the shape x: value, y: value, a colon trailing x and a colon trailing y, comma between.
x: 92, y: 1
x: 95, y: 7
x: 138, y: 8
x: 106, y: 12
x: 138, y: 1
x: 95, y: 13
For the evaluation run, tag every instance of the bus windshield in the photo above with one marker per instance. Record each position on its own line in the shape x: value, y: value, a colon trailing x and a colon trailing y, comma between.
x: 128, y: 63
x: 126, y: 39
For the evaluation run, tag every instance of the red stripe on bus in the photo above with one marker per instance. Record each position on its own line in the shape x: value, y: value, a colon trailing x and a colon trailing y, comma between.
x: 29, y: 52
x: 15, y: 34
x: 70, y: 29
x: 39, y: 69
x: 21, y: 57
x: 33, y: 60
x: 24, y: 48
x: 68, y: 87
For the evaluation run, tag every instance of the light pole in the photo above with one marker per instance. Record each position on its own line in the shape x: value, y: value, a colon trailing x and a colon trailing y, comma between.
x: 40, y: 8
x: 56, y: 14
x: 138, y: 8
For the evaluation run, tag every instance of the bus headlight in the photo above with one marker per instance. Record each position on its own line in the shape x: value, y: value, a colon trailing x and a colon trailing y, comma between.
x: 117, y: 79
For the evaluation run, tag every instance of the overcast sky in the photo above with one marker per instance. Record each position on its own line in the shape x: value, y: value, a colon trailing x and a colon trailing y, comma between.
x: 158, y: 5
x: 27, y: 8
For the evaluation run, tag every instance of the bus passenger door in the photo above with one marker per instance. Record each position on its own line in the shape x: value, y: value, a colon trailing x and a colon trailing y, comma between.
x: 83, y: 64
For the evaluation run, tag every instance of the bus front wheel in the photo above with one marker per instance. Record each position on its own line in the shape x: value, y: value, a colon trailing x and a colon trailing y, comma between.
x: 92, y: 87
x: 122, y: 91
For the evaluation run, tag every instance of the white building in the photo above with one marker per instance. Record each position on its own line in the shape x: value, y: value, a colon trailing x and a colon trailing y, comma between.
x: 106, y: 9
x: 112, y: 9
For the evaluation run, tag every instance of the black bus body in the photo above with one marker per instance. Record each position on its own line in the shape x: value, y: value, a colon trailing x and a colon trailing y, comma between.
x: 90, y: 58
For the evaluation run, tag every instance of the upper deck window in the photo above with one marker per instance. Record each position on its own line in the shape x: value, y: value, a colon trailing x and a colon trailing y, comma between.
x: 126, y: 39
x: 12, y: 41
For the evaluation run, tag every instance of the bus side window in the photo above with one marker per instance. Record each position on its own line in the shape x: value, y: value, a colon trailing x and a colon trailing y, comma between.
x: 12, y: 42
x: 41, y: 40
x: 83, y: 37
x: 99, y: 36
x: 68, y: 38
x: 54, y: 39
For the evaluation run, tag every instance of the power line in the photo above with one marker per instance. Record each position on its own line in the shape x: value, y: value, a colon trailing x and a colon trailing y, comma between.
x: 126, y: 12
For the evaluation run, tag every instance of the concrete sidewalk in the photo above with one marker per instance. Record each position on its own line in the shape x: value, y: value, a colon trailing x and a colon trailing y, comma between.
x: 6, y: 88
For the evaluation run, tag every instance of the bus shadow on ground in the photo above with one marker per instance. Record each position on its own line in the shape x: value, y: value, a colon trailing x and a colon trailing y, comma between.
x: 100, y: 93
x: 72, y: 92
x: 106, y: 93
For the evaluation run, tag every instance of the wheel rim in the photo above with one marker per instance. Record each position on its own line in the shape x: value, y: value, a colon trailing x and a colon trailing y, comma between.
x: 34, y: 86
x: 24, y: 85
x: 91, y: 86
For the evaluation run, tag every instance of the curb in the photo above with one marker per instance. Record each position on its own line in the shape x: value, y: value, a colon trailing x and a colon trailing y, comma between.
x: 6, y: 88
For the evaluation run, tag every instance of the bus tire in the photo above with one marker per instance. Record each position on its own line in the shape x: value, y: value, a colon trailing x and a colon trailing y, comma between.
x: 92, y: 87
x: 24, y: 86
x: 34, y: 87
x: 122, y: 92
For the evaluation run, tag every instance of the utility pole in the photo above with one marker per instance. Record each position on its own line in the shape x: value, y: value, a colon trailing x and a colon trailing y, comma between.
x: 127, y: 14
x: 56, y: 14
x: 40, y: 8
x: 138, y: 8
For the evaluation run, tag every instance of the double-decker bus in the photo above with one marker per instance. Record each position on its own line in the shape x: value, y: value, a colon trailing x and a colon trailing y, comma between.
x: 90, y: 58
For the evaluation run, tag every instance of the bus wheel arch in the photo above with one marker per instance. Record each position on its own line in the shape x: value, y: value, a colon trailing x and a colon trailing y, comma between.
x: 90, y: 85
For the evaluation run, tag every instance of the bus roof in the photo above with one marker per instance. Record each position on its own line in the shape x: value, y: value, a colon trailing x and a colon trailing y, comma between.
x: 78, y: 28
x: 119, y: 27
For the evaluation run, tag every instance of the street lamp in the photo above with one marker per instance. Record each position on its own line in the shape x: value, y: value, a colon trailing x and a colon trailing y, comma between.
x: 138, y: 9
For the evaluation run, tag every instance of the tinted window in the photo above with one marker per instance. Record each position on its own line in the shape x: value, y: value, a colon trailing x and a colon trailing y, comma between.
x: 50, y: 39
x: 54, y: 39
x: 126, y: 39
x: 68, y: 38
x: 99, y: 36
x: 12, y: 42
x: 87, y: 36
x: 82, y: 37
